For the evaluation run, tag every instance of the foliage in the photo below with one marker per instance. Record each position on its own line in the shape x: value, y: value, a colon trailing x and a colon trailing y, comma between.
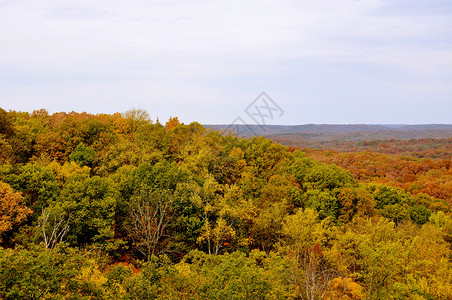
x: 119, y: 207
x: 12, y: 208
x: 42, y: 274
x: 83, y: 155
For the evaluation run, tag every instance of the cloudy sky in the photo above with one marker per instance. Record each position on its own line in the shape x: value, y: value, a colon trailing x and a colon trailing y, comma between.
x: 321, y: 61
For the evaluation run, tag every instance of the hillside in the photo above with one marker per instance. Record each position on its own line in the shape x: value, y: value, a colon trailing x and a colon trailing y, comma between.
x: 118, y: 206
x: 422, y: 141
x: 354, y: 132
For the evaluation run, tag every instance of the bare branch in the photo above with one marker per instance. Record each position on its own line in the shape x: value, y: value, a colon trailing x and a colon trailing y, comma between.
x: 149, y: 219
x: 54, y: 231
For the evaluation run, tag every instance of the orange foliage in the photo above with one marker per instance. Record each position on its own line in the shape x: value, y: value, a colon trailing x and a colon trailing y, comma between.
x: 172, y: 123
x: 12, y: 208
x: 344, y: 288
x: 415, y: 175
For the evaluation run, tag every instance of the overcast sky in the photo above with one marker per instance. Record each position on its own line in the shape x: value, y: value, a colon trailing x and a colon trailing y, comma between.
x: 321, y: 61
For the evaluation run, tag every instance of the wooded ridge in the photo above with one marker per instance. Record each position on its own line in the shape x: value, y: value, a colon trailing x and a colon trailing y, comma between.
x: 120, y: 206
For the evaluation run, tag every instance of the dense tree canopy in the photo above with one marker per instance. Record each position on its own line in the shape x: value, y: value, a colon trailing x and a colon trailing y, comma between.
x: 121, y: 207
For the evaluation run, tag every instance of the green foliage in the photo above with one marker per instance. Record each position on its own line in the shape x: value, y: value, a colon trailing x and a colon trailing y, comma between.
x: 42, y: 274
x: 300, y: 165
x: 305, y: 229
x: 163, y: 175
x: 264, y: 156
x: 114, y: 286
x: 386, y: 195
x: 122, y: 188
x: 152, y: 282
x: 327, y: 177
x: 83, y: 155
x: 235, y: 276
x: 267, y: 225
x: 420, y: 214
x: 389, y: 260
x: 37, y: 183
x: 90, y: 205
x: 325, y: 203
x: 188, y: 223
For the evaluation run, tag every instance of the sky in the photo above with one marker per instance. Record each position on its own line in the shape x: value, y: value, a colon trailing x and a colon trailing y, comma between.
x: 318, y: 61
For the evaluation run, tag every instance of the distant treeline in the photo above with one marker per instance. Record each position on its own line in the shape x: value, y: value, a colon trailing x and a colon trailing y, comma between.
x: 352, y: 132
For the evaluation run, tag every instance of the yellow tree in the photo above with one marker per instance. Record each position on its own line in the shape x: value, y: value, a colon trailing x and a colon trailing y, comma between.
x: 219, y: 234
x: 305, y: 235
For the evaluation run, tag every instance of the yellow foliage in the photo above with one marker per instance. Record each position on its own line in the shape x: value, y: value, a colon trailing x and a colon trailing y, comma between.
x: 63, y: 172
x: 90, y: 273
x: 183, y: 270
x: 441, y: 283
x: 120, y: 124
x: 345, y: 289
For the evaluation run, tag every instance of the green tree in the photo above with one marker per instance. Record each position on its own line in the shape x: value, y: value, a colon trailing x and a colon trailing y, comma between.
x: 83, y: 155
x: 90, y: 205
x: 267, y: 226
x: 419, y: 214
x: 42, y: 274
x: 328, y: 177
x: 235, y: 276
x: 323, y: 202
x: 37, y: 184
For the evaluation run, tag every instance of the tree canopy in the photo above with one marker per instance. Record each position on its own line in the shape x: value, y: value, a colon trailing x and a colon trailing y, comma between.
x: 116, y: 206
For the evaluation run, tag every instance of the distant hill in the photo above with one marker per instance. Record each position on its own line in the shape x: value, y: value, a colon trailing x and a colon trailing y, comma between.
x: 373, y: 131
x: 423, y: 141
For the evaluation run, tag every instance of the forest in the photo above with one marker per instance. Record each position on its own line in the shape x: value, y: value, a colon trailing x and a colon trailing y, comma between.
x: 121, y: 206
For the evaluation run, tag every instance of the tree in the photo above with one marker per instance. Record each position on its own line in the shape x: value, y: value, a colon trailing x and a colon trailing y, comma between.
x: 218, y: 234
x: 264, y: 156
x: 172, y: 123
x: 323, y: 202
x: 6, y: 128
x: 6, y: 131
x: 305, y: 236
x: 136, y: 118
x: 344, y: 289
x: 419, y: 214
x: 91, y: 204
x: 228, y: 168
x: 53, y: 226
x: 354, y: 201
x: 12, y: 208
x: 233, y: 276
x: 266, y: 230
x: 83, y: 155
x: 206, y: 200
x: 38, y: 273
x: 393, y: 262
x: 328, y: 177
x: 149, y: 219
x: 37, y: 184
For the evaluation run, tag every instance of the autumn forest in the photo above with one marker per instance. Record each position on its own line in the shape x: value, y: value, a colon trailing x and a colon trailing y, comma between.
x: 122, y: 206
